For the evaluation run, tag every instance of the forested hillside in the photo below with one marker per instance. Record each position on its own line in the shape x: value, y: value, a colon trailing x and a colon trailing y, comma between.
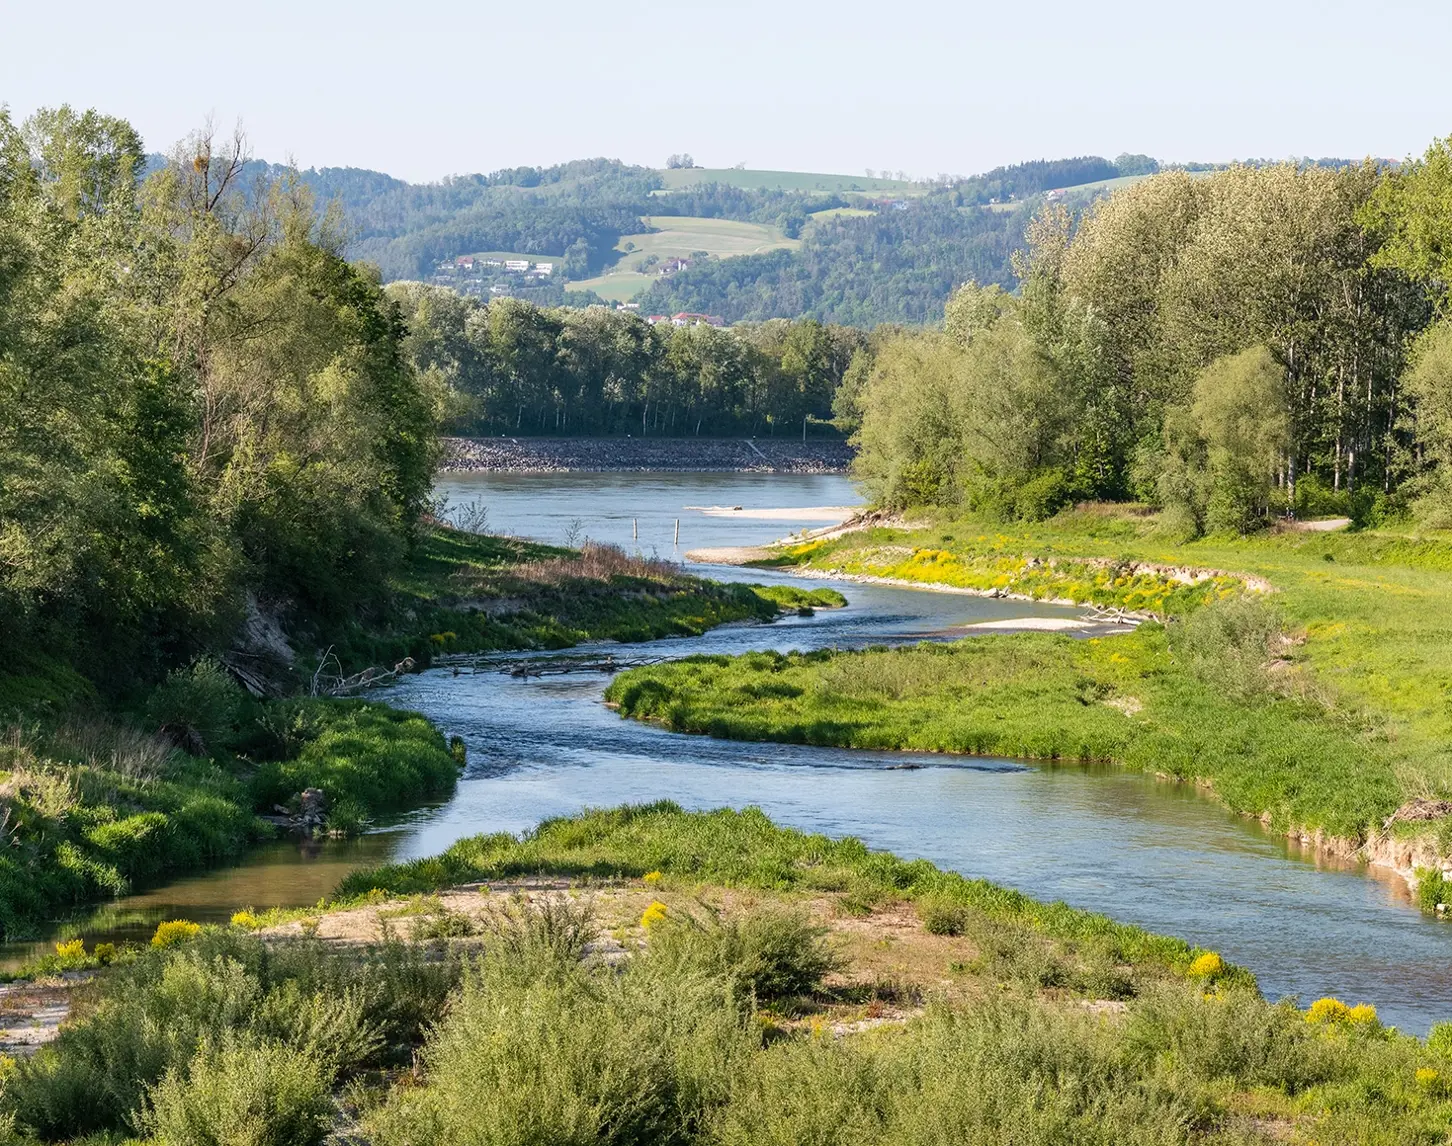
x: 890, y: 256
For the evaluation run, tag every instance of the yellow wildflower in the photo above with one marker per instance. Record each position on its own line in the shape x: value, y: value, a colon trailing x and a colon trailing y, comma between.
x: 1426, y: 1076
x: 175, y: 931
x: 653, y: 914
x: 651, y: 877
x: 71, y: 949
x: 1363, y: 1013
x: 246, y: 919
x: 1327, y: 1010
x: 1207, y: 966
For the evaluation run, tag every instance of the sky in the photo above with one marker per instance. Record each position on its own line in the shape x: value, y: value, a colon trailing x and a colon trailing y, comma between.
x: 438, y: 87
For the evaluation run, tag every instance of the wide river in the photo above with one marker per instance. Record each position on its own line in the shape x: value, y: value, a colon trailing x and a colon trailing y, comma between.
x: 1142, y: 850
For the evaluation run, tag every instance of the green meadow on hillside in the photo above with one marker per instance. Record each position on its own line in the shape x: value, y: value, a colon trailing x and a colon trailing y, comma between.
x: 679, y: 237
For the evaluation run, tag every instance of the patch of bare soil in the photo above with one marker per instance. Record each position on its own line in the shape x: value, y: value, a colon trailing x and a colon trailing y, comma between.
x: 31, y: 1013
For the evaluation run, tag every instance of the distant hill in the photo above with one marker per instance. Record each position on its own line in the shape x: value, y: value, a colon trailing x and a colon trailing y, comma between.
x: 744, y: 244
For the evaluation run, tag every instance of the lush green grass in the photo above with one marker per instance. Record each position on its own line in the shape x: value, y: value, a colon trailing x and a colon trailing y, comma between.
x: 99, y: 809
x: 96, y: 811
x: 1037, y: 696
x: 1367, y: 612
x: 366, y: 758
x: 1349, y: 727
x: 619, y: 285
x: 679, y: 236
x: 784, y: 180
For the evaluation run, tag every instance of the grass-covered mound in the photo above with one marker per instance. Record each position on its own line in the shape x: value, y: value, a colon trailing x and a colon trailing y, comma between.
x: 1128, y: 698
x: 464, y: 592
x: 759, y: 987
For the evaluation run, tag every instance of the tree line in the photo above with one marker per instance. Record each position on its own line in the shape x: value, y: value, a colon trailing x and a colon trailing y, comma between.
x: 1261, y: 341
x: 510, y: 367
x: 204, y: 401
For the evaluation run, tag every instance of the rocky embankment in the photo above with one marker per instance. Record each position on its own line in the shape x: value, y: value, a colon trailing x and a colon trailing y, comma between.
x: 643, y: 455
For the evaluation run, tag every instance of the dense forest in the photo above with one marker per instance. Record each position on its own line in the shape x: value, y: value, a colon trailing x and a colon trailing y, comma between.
x: 204, y: 402
x: 514, y: 368
x: 1261, y: 341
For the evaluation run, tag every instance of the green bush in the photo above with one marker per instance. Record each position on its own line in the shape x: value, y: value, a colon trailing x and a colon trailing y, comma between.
x: 762, y: 956
x: 543, y: 1051
x: 943, y: 917
x: 197, y: 708
x: 1229, y: 643
x: 150, y: 1019
x: 375, y: 757
x: 248, y: 1094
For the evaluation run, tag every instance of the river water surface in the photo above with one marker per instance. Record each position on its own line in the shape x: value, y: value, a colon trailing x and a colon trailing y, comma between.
x: 1139, y: 849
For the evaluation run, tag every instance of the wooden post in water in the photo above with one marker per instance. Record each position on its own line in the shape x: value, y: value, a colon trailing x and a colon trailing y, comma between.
x: 635, y: 529
x: 678, y: 532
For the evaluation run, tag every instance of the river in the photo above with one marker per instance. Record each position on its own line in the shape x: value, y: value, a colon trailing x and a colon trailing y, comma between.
x: 1142, y: 850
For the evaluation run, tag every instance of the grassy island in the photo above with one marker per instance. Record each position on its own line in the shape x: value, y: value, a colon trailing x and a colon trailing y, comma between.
x: 1288, y: 671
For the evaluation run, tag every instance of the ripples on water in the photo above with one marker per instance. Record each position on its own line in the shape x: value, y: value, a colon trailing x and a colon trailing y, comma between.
x: 1148, y: 852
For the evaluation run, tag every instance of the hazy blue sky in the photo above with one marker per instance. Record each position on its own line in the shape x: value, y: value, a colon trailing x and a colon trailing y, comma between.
x: 435, y: 87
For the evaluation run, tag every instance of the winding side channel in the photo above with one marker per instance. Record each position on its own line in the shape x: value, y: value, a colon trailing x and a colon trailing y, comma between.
x: 1142, y: 850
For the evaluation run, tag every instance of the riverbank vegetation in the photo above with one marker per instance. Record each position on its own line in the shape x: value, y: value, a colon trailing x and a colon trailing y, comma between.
x: 97, y: 805
x: 650, y: 975
x: 1196, y: 363
x: 1259, y: 342
x: 1294, y: 683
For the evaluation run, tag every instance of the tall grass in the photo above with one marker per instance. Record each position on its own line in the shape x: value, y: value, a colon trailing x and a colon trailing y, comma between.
x: 467, y: 593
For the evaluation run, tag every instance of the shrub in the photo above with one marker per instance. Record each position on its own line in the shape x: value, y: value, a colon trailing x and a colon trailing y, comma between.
x: 225, y: 989
x: 197, y: 708
x: 1228, y: 644
x: 257, y: 1094
x: 761, y: 957
x: 1439, y: 1039
x: 943, y: 917
x: 1207, y: 966
x: 175, y: 931
x: 1328, y: 1010
x: 1432, y: 889
x: 571, y: 1055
